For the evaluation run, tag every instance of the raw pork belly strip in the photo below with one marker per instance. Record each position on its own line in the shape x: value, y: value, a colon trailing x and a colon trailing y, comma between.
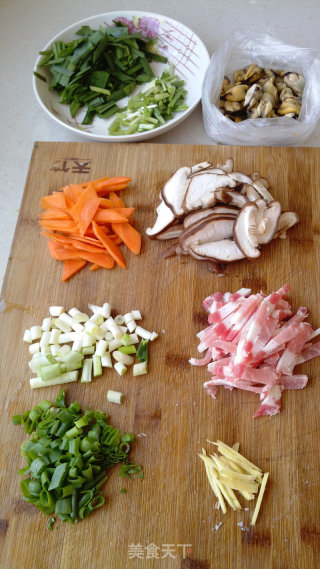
x: 253, y: 342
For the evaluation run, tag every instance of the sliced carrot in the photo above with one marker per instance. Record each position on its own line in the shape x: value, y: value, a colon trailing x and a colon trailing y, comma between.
x: 61, y: 253
x: 66, y: 226
x: 113, y: 215
x: 71, y: 267
x: 89, y: 240
x: 87, y: 214
x: 112, y: 184
x: 110, y: 246
x: 117, y: 202
x: 129, y: 235
x: 102, y: 259
x: 109, y: 216
x: 87, y: 194
x: 52, y: 213
x: 82, y: 246
x: 55, y: 200
x: 105, y: 203
x: 94, y: 267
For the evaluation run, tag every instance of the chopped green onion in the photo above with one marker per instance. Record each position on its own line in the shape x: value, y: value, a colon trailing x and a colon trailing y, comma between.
x: 142, y: 352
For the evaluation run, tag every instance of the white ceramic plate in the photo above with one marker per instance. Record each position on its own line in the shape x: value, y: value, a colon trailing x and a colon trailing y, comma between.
x: 179, y: 44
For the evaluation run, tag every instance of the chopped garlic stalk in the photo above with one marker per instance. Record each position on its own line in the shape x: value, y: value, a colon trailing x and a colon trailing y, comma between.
x: 79, y: 316
x: 119, y: 320
x: 97, y: 366
x: 36, y: 332
x: 45, y: 350
x: 46, y: 324
x: 123, y: 358
x: 62, y: 351
x: 120, y: 368
x: 27, y: 337
x: 133, y: 339
x: 154, y: 336
x: 143, y: 333
x: 114, y: 396
x: 106, y: 360
x: 91, y: 327
x: 136, y: 314
x: 56, y: 311
x: 114, y: 328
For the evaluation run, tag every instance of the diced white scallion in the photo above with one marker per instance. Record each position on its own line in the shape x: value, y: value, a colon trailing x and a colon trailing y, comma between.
x: 27, y: 337
x: 54, y: 336
x: 101, y: 347
x: 45, y: 339
x: 143, y: 333
x: 77, y: 326
x: 114, y: 396
x: 68, y: 337
x: 120, y: 368
x: 97, y: 367
x: 56, y: 311
x: 86, y: 376
x: 88, y: 340
x: 114, y: 344
x: 140, y: 369
x: 36, y: 332
x: 106, y: 360
x: 114, y: 328
x: 125, y: 359
x: 119, y: 320
x: 67, y: 319
x: 36, y: 382
x: 46, y: 324
x: 136, y: 314
x: 34, y: 348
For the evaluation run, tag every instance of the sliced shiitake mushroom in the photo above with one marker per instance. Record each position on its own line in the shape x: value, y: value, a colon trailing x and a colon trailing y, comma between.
x: 210, y: 229
x: 245, y: 230
x: 203, y: 213
x: 267, y: 220
x: 286, y: 220
x: 201, y: 190
x: 172, y: 232
x: 165, y: 217
x: 224, y: 251
x: 174, y: 190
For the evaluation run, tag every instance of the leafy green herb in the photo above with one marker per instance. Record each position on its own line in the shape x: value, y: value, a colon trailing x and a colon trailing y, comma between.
x: 68, y: 456
x: 99, y: 67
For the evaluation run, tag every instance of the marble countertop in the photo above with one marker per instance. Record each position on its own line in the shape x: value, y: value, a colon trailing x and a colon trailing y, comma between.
x: 26, y: 27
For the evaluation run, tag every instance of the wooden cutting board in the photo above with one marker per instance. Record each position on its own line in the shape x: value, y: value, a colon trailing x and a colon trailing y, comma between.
x: 169, y: 519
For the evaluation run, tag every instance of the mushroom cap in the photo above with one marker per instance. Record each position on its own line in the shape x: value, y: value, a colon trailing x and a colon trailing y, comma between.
x: 267, y: 220
x: 174, y: 190
x: 164, y: 218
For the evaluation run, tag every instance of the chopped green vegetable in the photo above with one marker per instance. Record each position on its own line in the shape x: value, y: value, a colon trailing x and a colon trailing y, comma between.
x: 152, y: 107
x: 99, y: 67
x: 68, y: 456
x: 142, y: 351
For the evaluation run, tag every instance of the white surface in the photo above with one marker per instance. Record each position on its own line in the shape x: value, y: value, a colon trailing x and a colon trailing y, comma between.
x: 26, y: 26
x: 192, y: 74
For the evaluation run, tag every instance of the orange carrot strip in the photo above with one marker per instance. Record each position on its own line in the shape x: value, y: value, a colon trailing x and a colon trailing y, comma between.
x: 104, y: 202
x: 102, y: 259
x: 88, y: 194
x: 110, y: 216
x: 55, y: 200
x: 112, y: 184
x: 82, y: 246
x: 117, y: 202
x: 52, y: 213
x: 89, y: 240
x: 87, y: 214
x: 61, y: 253
x: 66, y: 226
x: 71, y: 267
x: 110, y: 246
x: 94, y: 267
x: 129, y: 235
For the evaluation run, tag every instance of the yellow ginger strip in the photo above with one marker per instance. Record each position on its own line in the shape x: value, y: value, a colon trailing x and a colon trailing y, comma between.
x: 260, y: 496
x: 210, y: 474
x: 230, y: 453
x: 236, y: 468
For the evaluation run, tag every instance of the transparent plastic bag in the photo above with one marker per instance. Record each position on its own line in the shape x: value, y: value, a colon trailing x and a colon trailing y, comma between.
x: 241, y: 50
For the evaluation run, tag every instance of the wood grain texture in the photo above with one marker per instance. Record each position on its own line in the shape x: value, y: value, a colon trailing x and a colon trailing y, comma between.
x: 173, y: 504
